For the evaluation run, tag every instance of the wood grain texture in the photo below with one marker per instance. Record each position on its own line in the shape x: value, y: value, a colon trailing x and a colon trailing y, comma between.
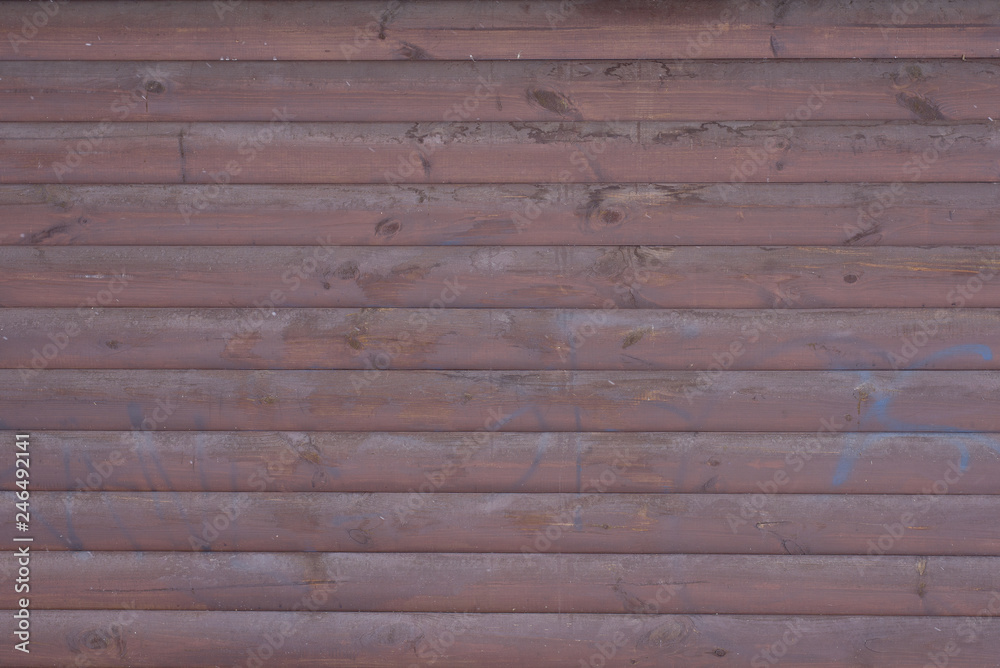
x: 910, y: 214
x: 469, y: 339
x: 506, y: 30
x: 501, y: 91
x: 446, y: 333
x: 432, y: 278
x: 534, y: 583
x: 382, y: 640
x: 920, y: 525
x: 285, y: 151
x: 504, y: 462
x: 768, y: 401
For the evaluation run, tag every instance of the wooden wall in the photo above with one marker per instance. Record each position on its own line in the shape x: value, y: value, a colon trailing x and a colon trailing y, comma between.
x: 455, y: 333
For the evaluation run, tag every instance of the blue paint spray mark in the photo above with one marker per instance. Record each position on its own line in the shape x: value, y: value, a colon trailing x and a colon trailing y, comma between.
x: 513, y: 416
x: 135, y: 415
x: 969, y: 349
x: 880, y: 412
x: 543, y: 446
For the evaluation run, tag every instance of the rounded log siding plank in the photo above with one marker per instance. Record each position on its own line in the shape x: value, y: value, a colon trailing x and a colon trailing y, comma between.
x: 537, y: 583
x: 783, y: 524
x: 432, y: 278
x: 650, y: 463
x: 501, y: 91
x: 675, y: 32
x: 534, y: 401
x: 283, y: 151
x: 504, y: 339
x: 807, y: 214
x: 143, y: 638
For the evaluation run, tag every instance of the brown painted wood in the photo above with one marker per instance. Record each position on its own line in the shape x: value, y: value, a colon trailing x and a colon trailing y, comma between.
x: 465, y: 339
x: 284, y: 151
x: 922, y: 525
x: 810, y: 401
x: 505, y: 30
x: 501, y: 91
x: 385, y: 640
x: 536, y: 583
x: 757, y: 238
x: 910, y: 214
x: 643, y: 463
x: 432, y: 278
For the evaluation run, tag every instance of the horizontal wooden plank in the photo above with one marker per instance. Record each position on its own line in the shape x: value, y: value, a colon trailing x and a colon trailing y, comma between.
x: 380, y: 640
x: 506, y: 30
x: 629, y: 463
x: 284, y: 151
x: 769, y: 401
x: 501, y: 91
x: 510, y: 400
x: 536, y: 583
x: 166, y: 639
x: 432, y: 278
x: 914, y: 214
x: 875, y: 524
x: 469, y: 339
